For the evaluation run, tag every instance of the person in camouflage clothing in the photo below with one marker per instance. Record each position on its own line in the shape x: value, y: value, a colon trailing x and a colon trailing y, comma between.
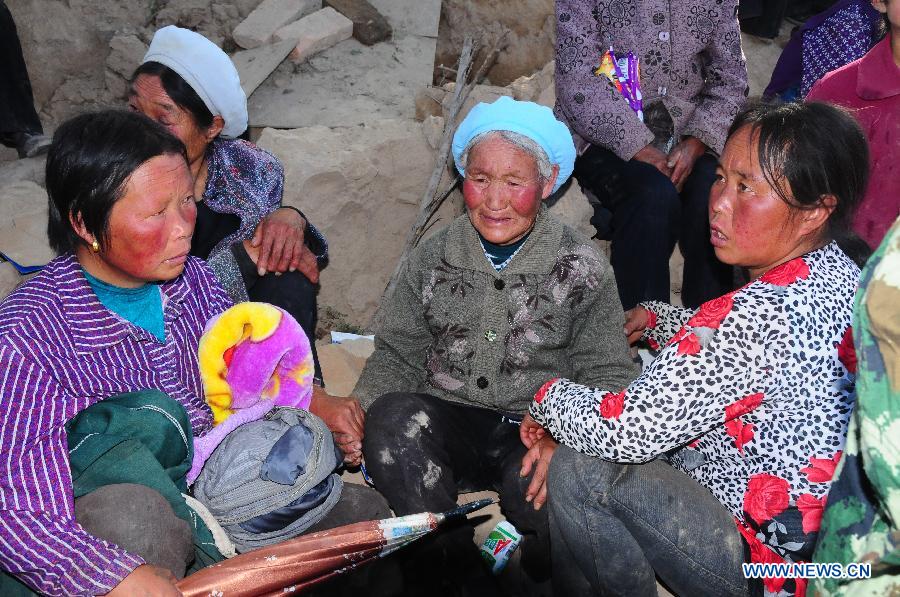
x: 861, y: 522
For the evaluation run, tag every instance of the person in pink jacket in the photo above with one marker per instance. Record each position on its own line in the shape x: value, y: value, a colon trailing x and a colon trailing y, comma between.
x: 870, y: 89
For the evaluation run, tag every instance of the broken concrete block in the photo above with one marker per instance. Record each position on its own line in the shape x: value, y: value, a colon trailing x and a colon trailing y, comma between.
x: 433, y: 129
x: 255, y: 65
x: 369, y: 25
x: 270, y: 16
x: 316, y: 32
x: 126, y: 53
x: 529, y: 88
x: 428, y: 102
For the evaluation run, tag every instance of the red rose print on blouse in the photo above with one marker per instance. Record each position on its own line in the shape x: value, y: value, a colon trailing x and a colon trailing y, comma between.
x: 761, y: 554
x: 681, y: 333
x: 712, y: 313
x: 653, y: 344
x: 821, y: 470
x: 743, y: 406
x: 651, y: 319
x: 766, y: 497
x: 741, y: 432
x: 690, y: 344
x: 539, y: 397
x: 787, y: 273
x: 811, y: 508
x: 612, y: 405
x: 846, y: 352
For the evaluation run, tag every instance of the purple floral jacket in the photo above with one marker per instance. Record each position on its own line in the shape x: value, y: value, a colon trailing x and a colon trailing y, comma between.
x: 691, y: 60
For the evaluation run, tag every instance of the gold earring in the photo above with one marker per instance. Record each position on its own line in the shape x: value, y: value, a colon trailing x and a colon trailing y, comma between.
x: 95, y: 246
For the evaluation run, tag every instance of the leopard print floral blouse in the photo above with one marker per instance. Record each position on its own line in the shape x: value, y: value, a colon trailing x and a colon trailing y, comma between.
x: 750, y: 395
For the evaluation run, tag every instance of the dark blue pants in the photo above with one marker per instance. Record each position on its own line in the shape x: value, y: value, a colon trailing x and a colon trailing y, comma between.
x: 614, y: 528
x: 648, y: 216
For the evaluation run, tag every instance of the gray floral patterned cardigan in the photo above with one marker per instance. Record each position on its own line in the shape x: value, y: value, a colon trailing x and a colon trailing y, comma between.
x: 461, y: 331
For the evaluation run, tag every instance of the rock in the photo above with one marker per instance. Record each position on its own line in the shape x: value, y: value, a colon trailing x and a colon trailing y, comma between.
x: 529, y: 88
x: 126, y: 53
x: 9, y: 279
x: 573, y: 209
x: 530, y: 33
x: 25, y: 169
x: 411, y: 17
x: 433, y: 129
x: 23, y: 224
x: 346, y: 85
x: 361, y: 186
x: 255, y: 65
x: 369, y: 26
x: 8, y: 154
x: 270, y: 16
x: 547, y: 97
x: 315, y: 32
x: 429, y: 102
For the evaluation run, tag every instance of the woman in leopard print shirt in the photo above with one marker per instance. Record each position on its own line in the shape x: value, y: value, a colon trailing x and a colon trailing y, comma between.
x: 722, y: 451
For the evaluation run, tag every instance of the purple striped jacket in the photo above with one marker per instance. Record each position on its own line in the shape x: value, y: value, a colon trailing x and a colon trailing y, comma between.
x: 60, y: 352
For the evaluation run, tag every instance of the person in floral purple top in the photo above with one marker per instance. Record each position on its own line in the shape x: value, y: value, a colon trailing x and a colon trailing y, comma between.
x: 722, y: 451
x: 652, y: 175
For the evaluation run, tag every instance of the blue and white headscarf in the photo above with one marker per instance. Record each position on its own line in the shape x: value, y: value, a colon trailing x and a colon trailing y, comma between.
x: 526, y: 118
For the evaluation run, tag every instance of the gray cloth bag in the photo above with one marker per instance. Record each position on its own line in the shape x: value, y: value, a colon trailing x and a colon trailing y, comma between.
x: 270, y: 480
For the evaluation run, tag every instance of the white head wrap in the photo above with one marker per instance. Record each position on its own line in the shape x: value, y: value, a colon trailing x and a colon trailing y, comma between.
x: 207, y: 69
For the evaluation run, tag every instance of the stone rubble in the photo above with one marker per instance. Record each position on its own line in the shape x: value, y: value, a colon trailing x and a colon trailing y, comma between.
x: 315, y: 32
x: 369, y: 25
x: 270, y: 16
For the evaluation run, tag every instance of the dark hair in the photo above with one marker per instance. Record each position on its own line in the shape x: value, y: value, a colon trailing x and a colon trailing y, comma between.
x: 810, y: 150
x: 177, y: 88
x: 88, y: 166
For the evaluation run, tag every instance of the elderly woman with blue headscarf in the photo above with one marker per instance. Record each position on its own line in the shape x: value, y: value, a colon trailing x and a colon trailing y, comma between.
x: 487, y: 309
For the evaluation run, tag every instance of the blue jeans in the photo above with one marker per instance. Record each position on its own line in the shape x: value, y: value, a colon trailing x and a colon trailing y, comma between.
x: 614, y: 528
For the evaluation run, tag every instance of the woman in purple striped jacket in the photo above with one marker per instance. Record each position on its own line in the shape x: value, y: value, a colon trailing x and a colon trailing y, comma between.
x: 121, y: 309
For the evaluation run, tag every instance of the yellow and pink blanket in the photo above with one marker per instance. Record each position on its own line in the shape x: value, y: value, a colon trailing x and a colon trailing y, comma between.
x: 253, y: 357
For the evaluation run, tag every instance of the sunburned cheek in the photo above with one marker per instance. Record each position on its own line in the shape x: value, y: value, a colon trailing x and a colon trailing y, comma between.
x: 147, y: 250
x: 471, y: 195
x: 525, y: 203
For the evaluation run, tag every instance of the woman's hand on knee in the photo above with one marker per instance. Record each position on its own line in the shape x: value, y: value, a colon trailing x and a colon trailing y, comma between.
x: 279, y: 239
x: 537, y: 462
x: 636, y: 321
x: 147, y: 580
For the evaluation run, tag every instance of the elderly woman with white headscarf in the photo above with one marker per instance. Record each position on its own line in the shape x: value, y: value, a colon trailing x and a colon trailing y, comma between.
x: 190, y: 86
x: 487, y: 308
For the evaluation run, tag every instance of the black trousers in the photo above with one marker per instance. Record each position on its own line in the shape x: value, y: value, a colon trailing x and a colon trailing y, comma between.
x: 421, y: 452
x: 645, y: 217
x: 17, y: 114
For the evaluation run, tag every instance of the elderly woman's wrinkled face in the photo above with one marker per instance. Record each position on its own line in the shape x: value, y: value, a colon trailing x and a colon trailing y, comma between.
x: 149, y: 97
x: 503, y: 190
x: 150, y: 227
x: 750, y: 225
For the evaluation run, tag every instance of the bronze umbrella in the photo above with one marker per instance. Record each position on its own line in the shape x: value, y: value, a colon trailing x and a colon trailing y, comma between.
x: 298, y: 564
